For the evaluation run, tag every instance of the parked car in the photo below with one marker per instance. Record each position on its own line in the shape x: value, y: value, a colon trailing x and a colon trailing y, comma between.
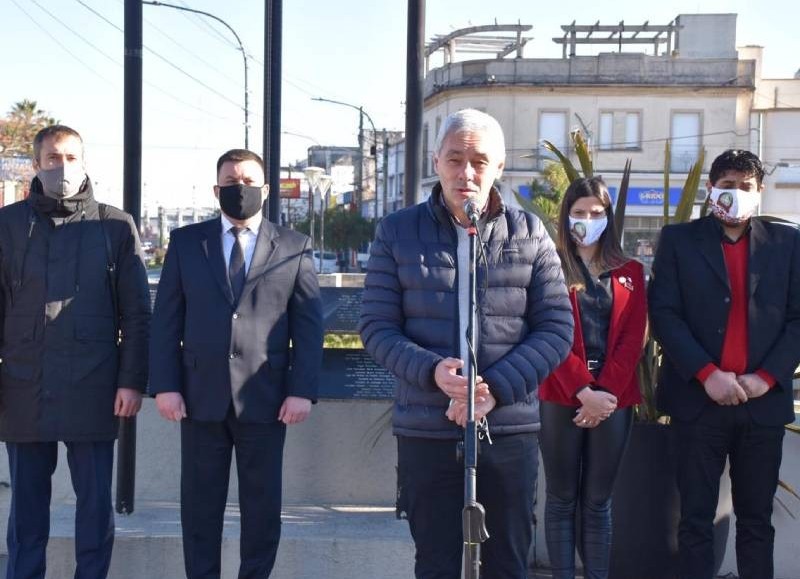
x: 329, y: 264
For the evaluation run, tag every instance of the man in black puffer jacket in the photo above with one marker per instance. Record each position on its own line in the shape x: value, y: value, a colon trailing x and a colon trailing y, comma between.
x: 74, y: 351
x: 413, y: 322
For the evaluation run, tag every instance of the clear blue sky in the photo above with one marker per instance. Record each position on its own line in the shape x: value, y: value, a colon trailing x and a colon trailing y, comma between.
x: 67, y: 55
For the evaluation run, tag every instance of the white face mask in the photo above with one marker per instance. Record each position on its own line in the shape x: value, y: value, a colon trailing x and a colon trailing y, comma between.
x: 586, y: 232
x: 733, y: 206
x: 62, y: 182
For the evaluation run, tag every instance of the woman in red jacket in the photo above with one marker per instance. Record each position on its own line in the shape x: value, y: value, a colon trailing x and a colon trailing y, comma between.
x: 586, y: 404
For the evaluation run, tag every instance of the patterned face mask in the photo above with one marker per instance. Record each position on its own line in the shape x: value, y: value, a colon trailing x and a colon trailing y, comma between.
x: 733, y: 206
x: 585, y: 232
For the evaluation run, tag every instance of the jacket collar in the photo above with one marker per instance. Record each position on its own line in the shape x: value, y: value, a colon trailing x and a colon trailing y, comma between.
x: 266, y: 242
x: 710, y: 236
x: 45, y: 205
x: 438, y: 208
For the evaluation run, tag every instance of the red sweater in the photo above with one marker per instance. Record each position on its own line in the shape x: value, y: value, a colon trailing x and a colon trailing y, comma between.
x: 624, y: 348
x: 734, y: 346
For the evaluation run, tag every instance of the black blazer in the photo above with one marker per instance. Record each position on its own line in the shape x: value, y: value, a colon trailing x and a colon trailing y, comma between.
x: 689, y: 298
x: 212, y: 350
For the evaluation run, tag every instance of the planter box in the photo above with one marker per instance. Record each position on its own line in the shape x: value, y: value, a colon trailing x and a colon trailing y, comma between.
x: 646, y: 509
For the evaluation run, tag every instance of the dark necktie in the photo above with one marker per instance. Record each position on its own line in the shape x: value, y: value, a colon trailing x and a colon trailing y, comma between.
x: 236, y: 272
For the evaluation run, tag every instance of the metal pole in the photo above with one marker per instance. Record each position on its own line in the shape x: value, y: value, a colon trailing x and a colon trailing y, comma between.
x: 415, y: 50
x: 473, y: 518
x: 273, y: 40
x: 310, y: 207
x: 241, y: 49
x: 359, y: 176
x: 132, y: 203
x: 385, y: 173
x: 375, y: 156
x: 360, y: 202
x: 322, y: 198
x: 311, y: 216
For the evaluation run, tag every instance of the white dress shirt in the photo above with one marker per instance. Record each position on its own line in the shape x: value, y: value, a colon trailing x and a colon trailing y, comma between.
x: 247, y: 239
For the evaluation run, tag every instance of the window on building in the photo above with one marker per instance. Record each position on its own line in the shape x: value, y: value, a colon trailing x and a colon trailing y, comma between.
x: 620, y: 130
x: 685, y: 135
x: 438, y: 128
x: 553, y: 128
x: 606, y: 140
x: 632, y: 131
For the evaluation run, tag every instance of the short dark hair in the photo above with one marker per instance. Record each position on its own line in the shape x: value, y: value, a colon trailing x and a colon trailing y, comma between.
x: 237, y: 156
x: 56, y: 132
x: 611, y: 255
x: 736, y: 160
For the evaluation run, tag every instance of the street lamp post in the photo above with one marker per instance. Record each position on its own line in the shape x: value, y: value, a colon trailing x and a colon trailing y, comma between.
x: 313, y: 175
x: 362, y: 113
x: 324, y: 186
x: 302, y: 136
x: 241, y: 48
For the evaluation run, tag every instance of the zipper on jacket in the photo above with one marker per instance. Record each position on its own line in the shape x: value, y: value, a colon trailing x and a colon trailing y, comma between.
x: 18, y: 282
x: 80, y: 244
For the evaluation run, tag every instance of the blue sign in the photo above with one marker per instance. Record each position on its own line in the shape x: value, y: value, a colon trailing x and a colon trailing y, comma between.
x: 640, y: 196
x: 648, y: 195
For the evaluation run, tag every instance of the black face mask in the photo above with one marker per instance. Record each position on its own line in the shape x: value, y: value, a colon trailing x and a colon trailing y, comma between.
x: 240, y: 201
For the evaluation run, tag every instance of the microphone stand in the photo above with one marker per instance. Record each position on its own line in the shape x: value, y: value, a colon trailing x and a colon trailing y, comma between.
x: 473, y: 517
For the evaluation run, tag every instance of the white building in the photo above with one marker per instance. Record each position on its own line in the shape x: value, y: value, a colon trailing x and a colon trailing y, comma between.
x: 693, y: 89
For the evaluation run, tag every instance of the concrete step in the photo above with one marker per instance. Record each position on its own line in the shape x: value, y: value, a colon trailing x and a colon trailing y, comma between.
x: 331, y: 542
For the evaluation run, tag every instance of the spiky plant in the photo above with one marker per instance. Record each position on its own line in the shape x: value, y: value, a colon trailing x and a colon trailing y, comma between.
x: 647, y: 370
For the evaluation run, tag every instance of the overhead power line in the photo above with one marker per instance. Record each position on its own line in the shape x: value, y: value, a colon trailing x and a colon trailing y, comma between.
x: 201, y: 24
x: 54, y: 39
x: 151, y: 51
x: 164, y: 34
x: 102, y: 53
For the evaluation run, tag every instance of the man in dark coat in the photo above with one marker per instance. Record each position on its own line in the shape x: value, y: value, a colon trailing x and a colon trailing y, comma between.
x: 725, y: 305
x: 413, y: 322
x: 233, y: 294
x: 75, y: 308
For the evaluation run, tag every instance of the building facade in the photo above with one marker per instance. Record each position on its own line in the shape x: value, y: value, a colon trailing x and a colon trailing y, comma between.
x: 695, y: 90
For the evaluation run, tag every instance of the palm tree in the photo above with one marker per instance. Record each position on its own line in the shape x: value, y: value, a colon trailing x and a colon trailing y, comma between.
x: 20, y: 126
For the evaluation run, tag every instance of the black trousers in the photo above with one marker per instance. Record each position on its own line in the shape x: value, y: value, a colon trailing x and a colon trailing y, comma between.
x: 432, y: 496
x: 580, y: 465
x: 755, y: 453
x: 206, y: 450
x: 31, y: 466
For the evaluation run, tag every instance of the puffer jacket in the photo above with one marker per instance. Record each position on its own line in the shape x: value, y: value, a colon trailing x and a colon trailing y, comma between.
x: 410, y: 312
x: 61, y: 363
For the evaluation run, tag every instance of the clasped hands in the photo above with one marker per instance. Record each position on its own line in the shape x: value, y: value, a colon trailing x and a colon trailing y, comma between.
x: 455, y: 387
x: 728, y: 389
x: 596, y: 406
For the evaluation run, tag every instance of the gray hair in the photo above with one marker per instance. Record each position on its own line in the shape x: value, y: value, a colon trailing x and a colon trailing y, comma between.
x: 471, y: 121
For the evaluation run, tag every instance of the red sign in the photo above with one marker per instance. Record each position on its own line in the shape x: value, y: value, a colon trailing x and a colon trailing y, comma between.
x: 290, y: 188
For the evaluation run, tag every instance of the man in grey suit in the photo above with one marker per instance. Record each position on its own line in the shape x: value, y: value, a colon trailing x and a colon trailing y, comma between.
x: 234, y: 292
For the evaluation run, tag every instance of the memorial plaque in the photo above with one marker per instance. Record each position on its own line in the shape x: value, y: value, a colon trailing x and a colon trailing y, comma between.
x: 153, y: 289
x: 346, y: 373
x: 352, y: 374
x: 341, y: 307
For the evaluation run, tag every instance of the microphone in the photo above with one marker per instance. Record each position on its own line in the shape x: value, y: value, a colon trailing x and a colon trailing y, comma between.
x: 472, y: 210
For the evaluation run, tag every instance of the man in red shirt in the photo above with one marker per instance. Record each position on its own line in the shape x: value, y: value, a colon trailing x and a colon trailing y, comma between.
x: 724, y: 302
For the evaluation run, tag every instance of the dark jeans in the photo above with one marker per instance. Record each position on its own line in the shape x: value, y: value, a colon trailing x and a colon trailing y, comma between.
x: 432, y: 495
x: 31, y: 466
x: 206, y: 451
x: 754, y: 452
x: 580, y: 464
